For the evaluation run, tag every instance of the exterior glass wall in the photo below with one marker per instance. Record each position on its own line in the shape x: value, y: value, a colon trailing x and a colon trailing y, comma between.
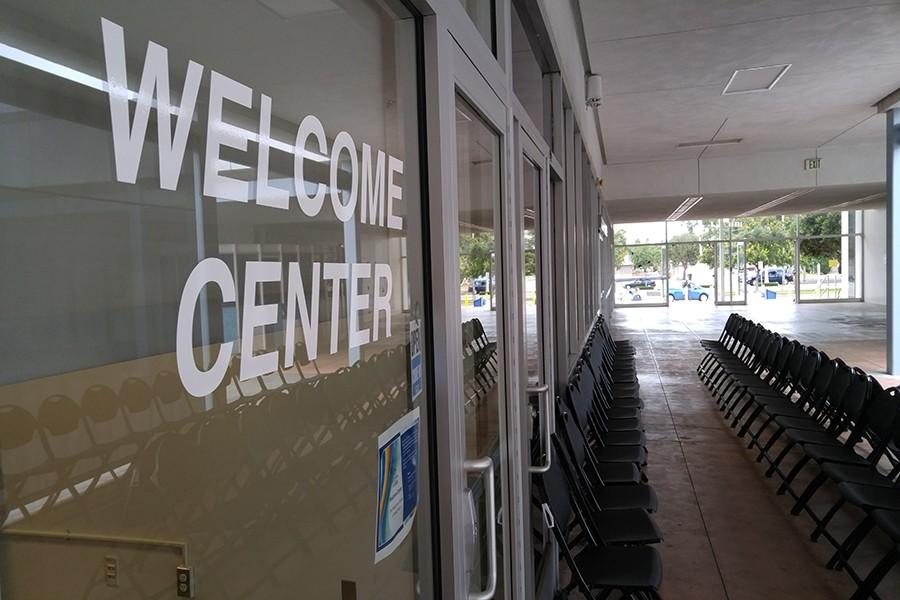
x: 811, y: 257
x: 212, y: 273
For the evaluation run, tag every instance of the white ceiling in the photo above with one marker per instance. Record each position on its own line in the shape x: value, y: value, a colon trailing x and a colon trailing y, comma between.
x: 665, y: 63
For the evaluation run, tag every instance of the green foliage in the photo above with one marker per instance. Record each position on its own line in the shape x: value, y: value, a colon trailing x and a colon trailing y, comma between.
x: 528, y: 249
x: 820, y: 224
x: 761, y: 228
x: 770, y: 253
x: 619, y: 252
x: 646, y: 258
x: 475, y: 250
x: 819, y: 252
x: 684, y: 251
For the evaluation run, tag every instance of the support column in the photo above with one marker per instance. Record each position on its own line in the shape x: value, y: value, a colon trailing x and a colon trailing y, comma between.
x: 893, y: 244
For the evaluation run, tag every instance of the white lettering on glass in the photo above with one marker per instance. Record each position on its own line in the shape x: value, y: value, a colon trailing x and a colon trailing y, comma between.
x: 309, y: 321
x: 353, y: 177
x: 257, y: 315
x: 358, y: 337
x: 394, y: 192
x: 371, y: 191
x: 335, y: 272
x: 310, y: 125
x: 128, y: 140
x: 218, y: 134
x: 196, y: 382
x: 266, y: 194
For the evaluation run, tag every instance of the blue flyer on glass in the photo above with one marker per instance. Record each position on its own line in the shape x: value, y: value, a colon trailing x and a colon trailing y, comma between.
x: 398, y: 466
x: 415, y: 359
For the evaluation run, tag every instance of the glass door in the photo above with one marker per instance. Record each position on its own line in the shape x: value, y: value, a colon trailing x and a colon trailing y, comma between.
x: 731, y: 273
x: 479, y: 172
x: 536, y: 316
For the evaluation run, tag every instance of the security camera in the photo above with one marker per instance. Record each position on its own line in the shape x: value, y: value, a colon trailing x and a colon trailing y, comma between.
x: 594, y: 95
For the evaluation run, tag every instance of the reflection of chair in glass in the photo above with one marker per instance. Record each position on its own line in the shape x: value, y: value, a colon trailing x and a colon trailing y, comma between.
x: 479, y: 376
x: 26, y: 472
x: 301, y: 359
x: 248, y: 388
x: 485, y: 347
x: 69, y: 443
x: 171, y: 399
x: 140, y: 409
x: 104, y: 416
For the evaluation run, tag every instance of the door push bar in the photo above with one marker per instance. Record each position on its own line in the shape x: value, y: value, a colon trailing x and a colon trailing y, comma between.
x: 486, y: 465
x: 547, y: 410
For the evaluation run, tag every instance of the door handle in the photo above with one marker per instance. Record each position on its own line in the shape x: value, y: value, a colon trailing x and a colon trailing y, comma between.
x: 547, y: 409
x: 486, y: 465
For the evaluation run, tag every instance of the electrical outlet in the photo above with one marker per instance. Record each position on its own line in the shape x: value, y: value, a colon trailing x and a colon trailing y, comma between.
x: 111, y: 573
x: 184, y: 578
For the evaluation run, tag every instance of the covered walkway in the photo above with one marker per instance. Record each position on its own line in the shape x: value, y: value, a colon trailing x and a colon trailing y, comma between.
x: 728, y: 536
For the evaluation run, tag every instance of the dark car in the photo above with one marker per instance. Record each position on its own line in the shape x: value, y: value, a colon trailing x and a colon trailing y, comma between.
x: 642, y: 283
x: 480, y: 285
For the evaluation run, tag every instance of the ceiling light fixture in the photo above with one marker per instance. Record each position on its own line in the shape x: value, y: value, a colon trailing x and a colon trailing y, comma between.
x: 699, y: 143
x: 776, y: 202
x: 754, y: 79
x: 863, y: 200
x: 685, y: 206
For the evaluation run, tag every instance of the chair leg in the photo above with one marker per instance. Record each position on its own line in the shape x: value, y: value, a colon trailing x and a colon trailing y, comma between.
x: 781, y: 455
x: 764, y: 450
x: 754, y: 435
x: 747, y: 423
x: 865, y: 590
x: 848, y: 547
x: 808, y: 493
x: 786, y: 484
x: 823, y: 524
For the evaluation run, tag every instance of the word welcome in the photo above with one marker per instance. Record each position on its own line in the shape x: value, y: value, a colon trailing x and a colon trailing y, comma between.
x: 373, y: 189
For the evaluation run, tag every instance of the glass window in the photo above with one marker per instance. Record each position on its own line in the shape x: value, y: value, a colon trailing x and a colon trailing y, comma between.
x: 831, y: 268
x: 639, y: 275
x: 483, y: 14
x: 532, y: 272
x: 529, y: 83
x: 764, y: 228
x: 640, y: 233
x: 203, y: 312
x: 478, y: 190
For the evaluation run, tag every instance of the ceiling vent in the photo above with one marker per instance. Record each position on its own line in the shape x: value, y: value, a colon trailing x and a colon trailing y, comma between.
x: 755, y: 79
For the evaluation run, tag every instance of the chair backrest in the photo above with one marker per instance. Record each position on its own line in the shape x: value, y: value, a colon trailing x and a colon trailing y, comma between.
x: 812, y: 360
x: 821, y: 383
x: 881, y: 420
x: 100, y: 404
x: 853, y: 402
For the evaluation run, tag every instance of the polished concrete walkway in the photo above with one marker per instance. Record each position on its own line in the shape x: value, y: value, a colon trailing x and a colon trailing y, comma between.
x: 727, y: 535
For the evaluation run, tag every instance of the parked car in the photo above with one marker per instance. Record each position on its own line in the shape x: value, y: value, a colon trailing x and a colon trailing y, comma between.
x: 479, y: 284
x: 773, y: 275
x: 694, y: 292
x: 642, y: 283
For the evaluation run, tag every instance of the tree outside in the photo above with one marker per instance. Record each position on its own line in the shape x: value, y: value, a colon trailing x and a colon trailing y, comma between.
x: 475, y: 251
x: 619, y: 241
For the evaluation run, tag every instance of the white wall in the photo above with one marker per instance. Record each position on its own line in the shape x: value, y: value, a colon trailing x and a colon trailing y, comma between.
x: 565, y: 36
x: 875, y: 255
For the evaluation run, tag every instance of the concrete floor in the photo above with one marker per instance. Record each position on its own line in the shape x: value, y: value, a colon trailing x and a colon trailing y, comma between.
x: 727, y: 535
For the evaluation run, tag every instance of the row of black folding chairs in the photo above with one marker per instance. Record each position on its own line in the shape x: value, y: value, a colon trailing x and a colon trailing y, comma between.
x: 595, y: 497
x: 830, y: 416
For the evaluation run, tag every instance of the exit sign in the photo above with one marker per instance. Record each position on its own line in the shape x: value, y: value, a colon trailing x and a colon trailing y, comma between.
x: 810, y: 164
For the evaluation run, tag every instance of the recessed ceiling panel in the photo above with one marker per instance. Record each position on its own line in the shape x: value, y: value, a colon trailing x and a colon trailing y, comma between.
x: 755, y: 79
